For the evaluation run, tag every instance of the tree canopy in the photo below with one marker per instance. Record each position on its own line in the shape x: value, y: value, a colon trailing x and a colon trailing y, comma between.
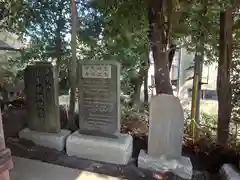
x: 123, y: 30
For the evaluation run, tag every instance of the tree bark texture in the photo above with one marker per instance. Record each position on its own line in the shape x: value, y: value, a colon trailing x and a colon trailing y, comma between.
x: 223, y: 78
x: 146, y: 96
x: 73, y: 67
x: 137, y: 83
x: 159, y: 41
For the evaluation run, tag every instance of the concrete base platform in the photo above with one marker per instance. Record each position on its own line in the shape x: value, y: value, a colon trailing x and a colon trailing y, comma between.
x: 26, y: 169
x: 181, y: 167
x: 108, y: 150
x: 50, y: 140
x: 228, y: 172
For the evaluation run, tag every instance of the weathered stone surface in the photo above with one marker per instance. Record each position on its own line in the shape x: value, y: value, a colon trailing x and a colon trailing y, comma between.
x: 42, y: 99
x: 5, y: 155
x: 51, y: 140
x: 114, y: 151
x: 181, y: 166
x: 165, y: 126
x: 99, y: 97
x: 228, y: 172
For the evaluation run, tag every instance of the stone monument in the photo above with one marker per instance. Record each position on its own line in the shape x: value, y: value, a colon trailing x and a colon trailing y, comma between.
x: 99, y: 136
x: 229, y: 171
x: 166, y: 123
x: 42, y: 106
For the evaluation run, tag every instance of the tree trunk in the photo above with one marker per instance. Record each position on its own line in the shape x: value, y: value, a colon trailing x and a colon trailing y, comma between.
x: 137, y: 82
x: 162, y: 78
x: 73, y: 66
x: 171, y: 55
x: 58, y: 56
x: 146, y: 86
x: 136, y: 102
x: 158, y: 42
x: 145, y: 79
x: 196, y: 91
x: 223, y: 78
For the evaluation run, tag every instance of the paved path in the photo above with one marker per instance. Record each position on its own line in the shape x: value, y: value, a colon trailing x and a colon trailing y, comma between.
x: 28, y: 163
x: 26, y: 169
x: 28, y: 150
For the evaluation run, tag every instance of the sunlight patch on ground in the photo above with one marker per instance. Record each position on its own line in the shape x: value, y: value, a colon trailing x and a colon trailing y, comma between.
x: 85, y: 175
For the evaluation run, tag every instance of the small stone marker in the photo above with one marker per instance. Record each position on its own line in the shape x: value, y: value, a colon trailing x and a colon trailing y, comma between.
x: 166, y: 122
x: 99, y: 97
x: 42, y: 100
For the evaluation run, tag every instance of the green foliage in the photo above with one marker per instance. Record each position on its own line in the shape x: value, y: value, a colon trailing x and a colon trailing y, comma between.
x: 43, y: 26
x: 118, y: 30
x: 107, y: 30
x: 235, y: 80
x: 9, y: 10
x: 110, y: 29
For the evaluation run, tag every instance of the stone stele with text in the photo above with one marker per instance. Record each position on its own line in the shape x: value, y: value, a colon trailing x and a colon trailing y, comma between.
x: 99, y: 97
x: 99, y: 136
x: 41, y: 88
x: 42, y: 101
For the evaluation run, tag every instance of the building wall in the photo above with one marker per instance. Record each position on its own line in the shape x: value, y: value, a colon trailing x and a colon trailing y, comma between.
x: 209, y: 75
x: 181, y: 73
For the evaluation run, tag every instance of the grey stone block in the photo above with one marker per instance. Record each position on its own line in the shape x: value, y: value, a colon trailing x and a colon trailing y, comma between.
x: 41, y: 88
x: 181, y: 167
x: 228, y: 172
x: 99, y: 97
x: 51, y: 140
x: 109, y: 150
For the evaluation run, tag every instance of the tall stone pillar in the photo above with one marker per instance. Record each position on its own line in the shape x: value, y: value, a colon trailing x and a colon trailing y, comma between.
x: 5, y: 155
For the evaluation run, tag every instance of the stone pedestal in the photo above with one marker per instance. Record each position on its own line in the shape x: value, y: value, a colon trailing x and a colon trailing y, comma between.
x: 51, y: 140
x: 228, y: 172
x: 108, y: 150
x: 180, y: 166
